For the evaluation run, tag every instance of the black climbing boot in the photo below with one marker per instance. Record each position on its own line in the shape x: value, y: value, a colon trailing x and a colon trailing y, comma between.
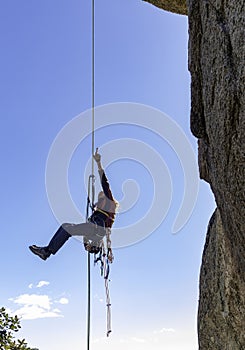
x: 42, y: 252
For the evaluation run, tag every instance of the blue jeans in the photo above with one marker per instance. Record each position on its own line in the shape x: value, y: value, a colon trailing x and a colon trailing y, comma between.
x: 93, y: 230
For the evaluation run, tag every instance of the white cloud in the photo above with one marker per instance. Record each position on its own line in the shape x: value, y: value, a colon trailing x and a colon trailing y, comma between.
x: 32, y: 312
x: 42, y: 301
x: 34, y: 306
x: 42, y: 283
x: 63, y: 301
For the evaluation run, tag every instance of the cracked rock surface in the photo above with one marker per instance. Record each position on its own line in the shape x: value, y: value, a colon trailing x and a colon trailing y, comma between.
x: 216, y: 63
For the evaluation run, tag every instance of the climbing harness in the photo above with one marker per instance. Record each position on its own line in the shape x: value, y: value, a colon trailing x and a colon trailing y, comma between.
x: 103, y: 212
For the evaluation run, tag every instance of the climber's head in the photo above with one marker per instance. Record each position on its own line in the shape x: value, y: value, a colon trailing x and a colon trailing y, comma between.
x: 101, y: 196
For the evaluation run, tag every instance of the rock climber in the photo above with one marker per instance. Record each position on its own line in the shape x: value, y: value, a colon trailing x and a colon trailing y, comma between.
x: 103, y: 217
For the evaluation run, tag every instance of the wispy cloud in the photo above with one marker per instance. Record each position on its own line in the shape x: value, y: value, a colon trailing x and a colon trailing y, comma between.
x: 129, y: 340
x: 164, y: 330
x: 145, y: 341
x: 138, y: 340
x: 40, y: 284
x: 98, y: 298
x: 34, y: 306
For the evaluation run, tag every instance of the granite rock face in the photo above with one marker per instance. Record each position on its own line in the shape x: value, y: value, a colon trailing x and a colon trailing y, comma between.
x: 216, y: 64
x: 221, y: 316
x: 176, y: 6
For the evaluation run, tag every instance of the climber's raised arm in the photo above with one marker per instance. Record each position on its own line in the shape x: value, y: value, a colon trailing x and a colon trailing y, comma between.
x: 103, y: 179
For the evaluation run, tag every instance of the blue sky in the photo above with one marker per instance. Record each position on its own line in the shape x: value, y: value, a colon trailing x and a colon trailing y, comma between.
x: 141, y: 57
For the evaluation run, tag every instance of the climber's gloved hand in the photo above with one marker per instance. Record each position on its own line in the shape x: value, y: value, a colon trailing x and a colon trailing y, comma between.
x: 97, y: 156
